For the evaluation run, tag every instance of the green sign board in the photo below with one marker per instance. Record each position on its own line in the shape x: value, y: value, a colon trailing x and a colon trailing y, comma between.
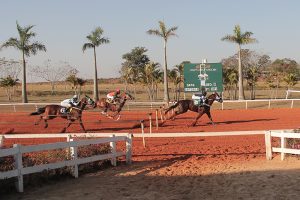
x: 208, y: 75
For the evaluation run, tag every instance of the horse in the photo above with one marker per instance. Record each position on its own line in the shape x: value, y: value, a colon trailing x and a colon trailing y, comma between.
x: 185, y: 105
x: 116, y: 106
x: 75, y: 113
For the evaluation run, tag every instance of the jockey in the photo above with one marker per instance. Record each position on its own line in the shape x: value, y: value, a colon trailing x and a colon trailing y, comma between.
x: 203, y: 97
x: 111, y: 97
x: 72, y: 102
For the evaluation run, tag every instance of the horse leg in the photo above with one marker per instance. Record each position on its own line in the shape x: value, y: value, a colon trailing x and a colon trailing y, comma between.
x: 195, y: 121
x: 45, y: 121
x: 39, y: 120
x: 209, y: 116
x: 81, y: 125
x: 69, y: 124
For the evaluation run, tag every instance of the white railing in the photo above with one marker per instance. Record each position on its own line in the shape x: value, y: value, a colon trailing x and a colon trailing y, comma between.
x: 282, y: 149
x: 290, y: 91
x: 269, y: 101
x: 18, y: 150
x: 137, y: 135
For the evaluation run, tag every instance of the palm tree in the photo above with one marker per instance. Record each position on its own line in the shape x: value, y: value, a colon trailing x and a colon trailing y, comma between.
x: 95, y: 39
x: 240, y: 38
x: 27, y: 48
x: 165, y: 34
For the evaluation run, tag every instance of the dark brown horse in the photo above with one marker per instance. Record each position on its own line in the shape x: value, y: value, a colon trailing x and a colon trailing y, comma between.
x: 185, y: 105
x: 114, y: 108
x: 75, y: 113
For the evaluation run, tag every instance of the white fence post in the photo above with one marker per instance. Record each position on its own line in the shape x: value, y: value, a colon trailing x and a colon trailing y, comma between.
x: 19, y: 166
x: 292, y: 104
x: 113, y: 151
x: 150, y: 123
x: 156, y: 118
x: 68, y: 150
x: 268, y: 145
x: 223, y: 105
x: 282, y: 146
x: 142, y: 127
x: 246, y: 104
x: 1, y: 141
x: 74, y: 156
x: 269, y: 103
x: 128, y: 148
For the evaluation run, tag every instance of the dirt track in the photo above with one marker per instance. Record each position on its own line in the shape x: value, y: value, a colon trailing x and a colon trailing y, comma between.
x: 231, y: 167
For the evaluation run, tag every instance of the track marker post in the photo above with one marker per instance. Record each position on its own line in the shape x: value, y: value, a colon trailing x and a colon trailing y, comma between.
x: 156, y: 118
x: 150, y: 122
x: 142, y: 127
x: 161, y: 116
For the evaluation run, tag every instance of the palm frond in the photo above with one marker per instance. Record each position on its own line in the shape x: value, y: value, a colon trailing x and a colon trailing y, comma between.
x: 87, y: 46
x: 154, y: 32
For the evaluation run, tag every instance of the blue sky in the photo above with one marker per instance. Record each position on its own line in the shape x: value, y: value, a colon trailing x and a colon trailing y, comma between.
x: 62, y: 26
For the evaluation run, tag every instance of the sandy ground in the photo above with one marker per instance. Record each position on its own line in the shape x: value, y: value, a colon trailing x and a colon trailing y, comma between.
x: 232, y: 167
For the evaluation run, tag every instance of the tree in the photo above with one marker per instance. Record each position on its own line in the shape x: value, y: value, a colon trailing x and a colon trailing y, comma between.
x: 95, y: 39
x: 240, y: 38
x: 134, y: 64
x: 52, y: 73
x: 27, y: 48
x: 165, y: 34
x: 76, y: 83
x: 10, y: 68
x: 147, y: 77
x: 8, y: 83
x: 290, y: 79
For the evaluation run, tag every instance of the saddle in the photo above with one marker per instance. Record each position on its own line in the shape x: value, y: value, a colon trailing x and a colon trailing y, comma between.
x: 66, y: 110
x: 110, y: 101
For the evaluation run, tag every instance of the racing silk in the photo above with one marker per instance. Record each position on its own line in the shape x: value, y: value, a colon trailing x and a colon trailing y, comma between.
x: 112, y: 95
x: 69, y: 103
x: 199, y: 99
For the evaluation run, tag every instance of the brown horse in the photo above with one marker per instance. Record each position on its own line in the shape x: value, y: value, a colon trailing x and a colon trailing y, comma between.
x: 114, y: 107
x: 75, y: 113
x: 185, y: 105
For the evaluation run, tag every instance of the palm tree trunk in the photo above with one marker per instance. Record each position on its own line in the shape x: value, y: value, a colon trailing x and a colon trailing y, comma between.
x: 241, y: 90
x: 166, y: 92
x: 96, y: 97
x: 24, y: 92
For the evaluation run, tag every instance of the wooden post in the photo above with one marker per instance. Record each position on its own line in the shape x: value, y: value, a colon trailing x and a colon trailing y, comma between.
x: 74, y: 156
x: 246, y: 105
x: 283, y: 145
x: 150, y: 123
x: 269, y: 103
x: 292, y: 104
x: 129, y: 148
x: 142, y: 126
x: 223, y: 105
x: 268, y: 144
x: 19, y: 166
x: 113, y: 151
x: 1, y: 141
x: 156, y: 118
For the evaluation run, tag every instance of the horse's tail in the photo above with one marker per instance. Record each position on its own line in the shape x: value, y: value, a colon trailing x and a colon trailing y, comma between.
x: 171, y: 107
x: 39, y: 111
